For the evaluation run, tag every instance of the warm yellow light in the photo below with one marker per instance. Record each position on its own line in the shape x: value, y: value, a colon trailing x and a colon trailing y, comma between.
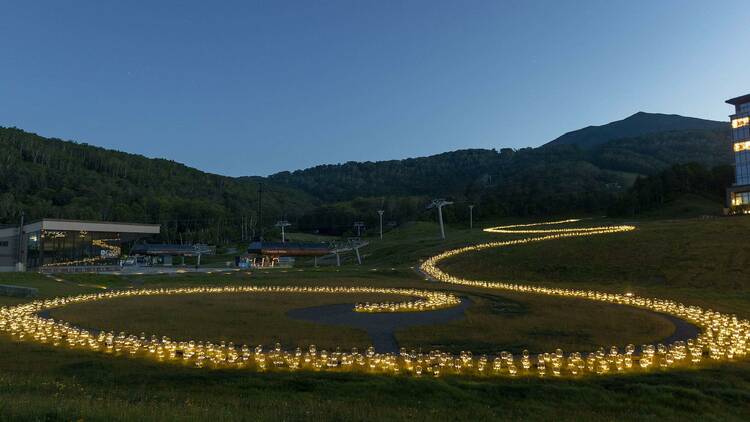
x: 742, y: 146
x: 722, y: 337
x: 740, y: 122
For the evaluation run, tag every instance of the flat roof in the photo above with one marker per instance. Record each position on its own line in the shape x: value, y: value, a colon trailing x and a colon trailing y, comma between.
x: 739, y: 100
x: 91, y: 226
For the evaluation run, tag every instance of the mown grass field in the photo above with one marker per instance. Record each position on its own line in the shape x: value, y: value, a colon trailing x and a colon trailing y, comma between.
x: 510, y: 322
x: 252, y: 319
x: 695, y: 261
x: 514, y: 322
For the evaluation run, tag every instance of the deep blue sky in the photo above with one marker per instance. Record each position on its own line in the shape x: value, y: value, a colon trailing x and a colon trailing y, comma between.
x: 251, y: 88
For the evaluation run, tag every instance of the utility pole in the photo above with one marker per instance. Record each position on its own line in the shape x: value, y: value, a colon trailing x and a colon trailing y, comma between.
x: 19, y: 260
x: 250, y: 227
x: 471, y: 216
x: 282, y: 224
x: 380, y: 213
x: 439, y: 204
x: 359, y: 225
x: 260, y: 211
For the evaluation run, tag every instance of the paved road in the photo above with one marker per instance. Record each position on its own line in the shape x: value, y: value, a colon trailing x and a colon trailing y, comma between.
x: 379, y: 326
x: 683, y: 330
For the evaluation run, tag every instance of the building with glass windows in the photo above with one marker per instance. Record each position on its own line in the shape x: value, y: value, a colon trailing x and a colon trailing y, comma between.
x: 738, y: 195
x: 51, y: 244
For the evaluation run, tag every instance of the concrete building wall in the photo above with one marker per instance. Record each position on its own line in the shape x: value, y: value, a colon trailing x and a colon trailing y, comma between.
x: 8, y: 247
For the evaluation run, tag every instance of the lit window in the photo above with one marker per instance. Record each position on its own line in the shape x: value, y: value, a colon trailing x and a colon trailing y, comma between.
x: 740, y: 198
x: 742, y: 146
x: 740, y: 122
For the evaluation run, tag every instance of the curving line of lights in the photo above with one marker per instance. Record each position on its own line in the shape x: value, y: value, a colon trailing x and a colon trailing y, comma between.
x: 723, y: 337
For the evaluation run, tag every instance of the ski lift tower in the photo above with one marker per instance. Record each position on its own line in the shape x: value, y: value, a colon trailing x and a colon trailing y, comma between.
x: 439, y: 204
x: 359, y: 225
x: 283, y: 224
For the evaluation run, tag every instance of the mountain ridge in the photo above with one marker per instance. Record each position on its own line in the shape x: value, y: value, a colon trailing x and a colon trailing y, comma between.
x: 638, y: 124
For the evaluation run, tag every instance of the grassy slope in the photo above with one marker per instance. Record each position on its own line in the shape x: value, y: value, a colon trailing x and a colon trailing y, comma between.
x: 688, y: 205
x: 701, y: 262
x: 684, y: 259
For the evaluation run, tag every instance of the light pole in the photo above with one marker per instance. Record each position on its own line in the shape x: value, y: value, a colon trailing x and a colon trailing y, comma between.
x: 260, y: 211
x: 20, y: 262
x: 471, y: 217
x: 439, y: 204
x: 380, y: 213
x: 282, y: 224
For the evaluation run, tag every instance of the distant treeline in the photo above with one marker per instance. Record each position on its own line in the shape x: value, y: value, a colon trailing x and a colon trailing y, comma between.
x: 472, y: 172
x: 62, y: 179
x: 650, y: 193
x: 551, y: 180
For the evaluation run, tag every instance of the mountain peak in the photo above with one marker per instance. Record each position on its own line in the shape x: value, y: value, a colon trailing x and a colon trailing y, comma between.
x: 638, y: 124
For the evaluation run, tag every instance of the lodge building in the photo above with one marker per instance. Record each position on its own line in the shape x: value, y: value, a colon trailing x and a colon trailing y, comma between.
x: 54, y: 243
x: 738, y: 195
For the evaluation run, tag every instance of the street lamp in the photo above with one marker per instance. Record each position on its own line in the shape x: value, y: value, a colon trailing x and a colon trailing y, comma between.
x: 471, y: 217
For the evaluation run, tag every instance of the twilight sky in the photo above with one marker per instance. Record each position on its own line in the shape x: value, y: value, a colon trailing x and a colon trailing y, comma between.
x: 256, y: 87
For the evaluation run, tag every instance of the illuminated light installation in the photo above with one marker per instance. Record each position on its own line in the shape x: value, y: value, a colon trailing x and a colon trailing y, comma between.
x: 723, y: 337
x: 24, y: 322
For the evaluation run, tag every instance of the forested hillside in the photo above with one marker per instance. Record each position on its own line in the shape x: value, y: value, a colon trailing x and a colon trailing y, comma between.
x: 449, y: 172
x: 652, y: 153
x: 552, y: 179
x: 670, y: 185
x: 61, y: 179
